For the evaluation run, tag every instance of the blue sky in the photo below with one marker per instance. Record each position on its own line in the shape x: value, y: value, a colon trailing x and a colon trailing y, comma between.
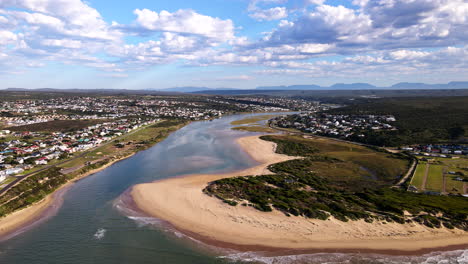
x: 230, y: 43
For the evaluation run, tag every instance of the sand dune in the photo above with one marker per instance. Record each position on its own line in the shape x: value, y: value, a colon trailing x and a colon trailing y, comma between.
x: 181, y: 202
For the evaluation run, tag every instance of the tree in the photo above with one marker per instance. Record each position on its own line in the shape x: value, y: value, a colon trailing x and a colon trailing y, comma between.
x: 456, y: 132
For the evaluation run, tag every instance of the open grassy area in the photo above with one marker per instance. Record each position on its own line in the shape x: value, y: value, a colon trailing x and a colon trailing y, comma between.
x: 354, y: 165
x: 440, y: 169
x: 419, y: 175
x: 341, y: 180
x: 252, y: 120
x: 435, y: 178
x: 254, y: 128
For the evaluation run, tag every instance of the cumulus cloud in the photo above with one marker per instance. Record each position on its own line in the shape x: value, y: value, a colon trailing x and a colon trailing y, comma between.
x: 388, y: 64
x: 267, y: 14
x: 185, y: 22
x: 274, y: 13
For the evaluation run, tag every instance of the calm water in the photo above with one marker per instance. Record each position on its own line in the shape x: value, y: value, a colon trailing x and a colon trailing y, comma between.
x: 89, y: 227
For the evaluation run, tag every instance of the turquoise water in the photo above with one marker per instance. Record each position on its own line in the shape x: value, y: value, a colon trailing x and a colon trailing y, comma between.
x: 92, y: 227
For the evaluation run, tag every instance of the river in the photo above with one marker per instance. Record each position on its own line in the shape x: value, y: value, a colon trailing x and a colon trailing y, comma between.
x: 92, y: 227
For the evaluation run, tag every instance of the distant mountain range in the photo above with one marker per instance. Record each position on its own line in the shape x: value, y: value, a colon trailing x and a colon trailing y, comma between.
x: 311, y: 87
x: 189, y: 89
x: 338, y: 86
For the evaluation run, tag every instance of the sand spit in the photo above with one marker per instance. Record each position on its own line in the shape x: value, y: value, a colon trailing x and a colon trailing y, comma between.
x: 181, y: 202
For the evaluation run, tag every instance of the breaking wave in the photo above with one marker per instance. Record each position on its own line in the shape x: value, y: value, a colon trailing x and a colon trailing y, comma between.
x: 100, y: 233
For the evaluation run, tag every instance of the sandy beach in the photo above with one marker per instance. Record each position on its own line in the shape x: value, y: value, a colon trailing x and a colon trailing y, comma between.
x: 181, y: 202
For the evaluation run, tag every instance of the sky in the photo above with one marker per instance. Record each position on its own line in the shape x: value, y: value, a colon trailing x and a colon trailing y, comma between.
x: 143, y: 44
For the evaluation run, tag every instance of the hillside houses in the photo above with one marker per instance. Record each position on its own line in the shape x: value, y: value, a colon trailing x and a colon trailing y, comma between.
x: 20, y: 154
x: 335, y: 125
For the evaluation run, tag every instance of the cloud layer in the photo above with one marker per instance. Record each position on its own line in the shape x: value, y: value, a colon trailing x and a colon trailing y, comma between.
x: 375, y: 37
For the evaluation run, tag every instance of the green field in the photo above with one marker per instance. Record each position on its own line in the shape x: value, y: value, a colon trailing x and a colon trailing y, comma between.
x: 435, y: 179
x: 439, y: 169
x: 419, y: 175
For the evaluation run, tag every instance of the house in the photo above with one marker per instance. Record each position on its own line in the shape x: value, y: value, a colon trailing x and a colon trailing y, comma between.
x: 14, y: 171
x: 41, y: 161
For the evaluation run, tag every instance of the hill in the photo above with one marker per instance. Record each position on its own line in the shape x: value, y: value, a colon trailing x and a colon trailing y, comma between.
x: 419, y: 120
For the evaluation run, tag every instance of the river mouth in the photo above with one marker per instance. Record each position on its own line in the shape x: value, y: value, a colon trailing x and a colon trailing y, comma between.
x: 259, y: 254
x: 90, y: 228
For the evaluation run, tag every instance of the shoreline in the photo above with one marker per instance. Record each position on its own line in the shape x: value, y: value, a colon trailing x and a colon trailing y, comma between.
x: 180, y: 202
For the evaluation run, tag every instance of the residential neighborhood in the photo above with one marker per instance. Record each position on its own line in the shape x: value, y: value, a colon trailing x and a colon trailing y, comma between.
x: 342, y: 126
x: 23, y: 151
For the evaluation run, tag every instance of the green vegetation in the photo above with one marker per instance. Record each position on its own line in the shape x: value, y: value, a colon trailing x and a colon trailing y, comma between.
x: 445, y: 175
x: 58, y: 125
x: 261, y: 129
x: 342, y: 180
x: 419, y: 120
x: 253, y: 124
x: 252, y: 120
x: 435, y: 178
x: 419, y: 175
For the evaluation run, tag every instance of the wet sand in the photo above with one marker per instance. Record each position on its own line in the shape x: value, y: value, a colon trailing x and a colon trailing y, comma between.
x: 181, y: 202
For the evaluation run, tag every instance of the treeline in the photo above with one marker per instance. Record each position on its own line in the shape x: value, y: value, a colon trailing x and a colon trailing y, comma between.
x: 419, y: 120
x: 296, y: 190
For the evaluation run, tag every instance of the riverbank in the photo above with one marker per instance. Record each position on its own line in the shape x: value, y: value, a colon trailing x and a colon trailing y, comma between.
x: 181, y: 202
x: 27, y: 217
x: 23, y: 219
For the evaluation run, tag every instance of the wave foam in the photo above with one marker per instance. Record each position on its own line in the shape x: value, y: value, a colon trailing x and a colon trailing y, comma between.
x: 100, y: 233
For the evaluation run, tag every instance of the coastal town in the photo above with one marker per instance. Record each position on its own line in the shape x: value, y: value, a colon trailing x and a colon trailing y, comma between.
x: 342, y: 126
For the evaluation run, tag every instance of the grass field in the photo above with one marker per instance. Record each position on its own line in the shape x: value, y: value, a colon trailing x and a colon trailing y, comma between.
x: 435, y: 178
x: 438, y: 169
x: 349, y: 164
x: 419, y: 175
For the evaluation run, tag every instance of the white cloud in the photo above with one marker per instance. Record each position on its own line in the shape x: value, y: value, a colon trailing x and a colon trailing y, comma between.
x: 7, y: 37
x: 235, y: 78
x: 186, y: 22
x: 376, y: 36
x: 274, y: 13
x: 316, y: 2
